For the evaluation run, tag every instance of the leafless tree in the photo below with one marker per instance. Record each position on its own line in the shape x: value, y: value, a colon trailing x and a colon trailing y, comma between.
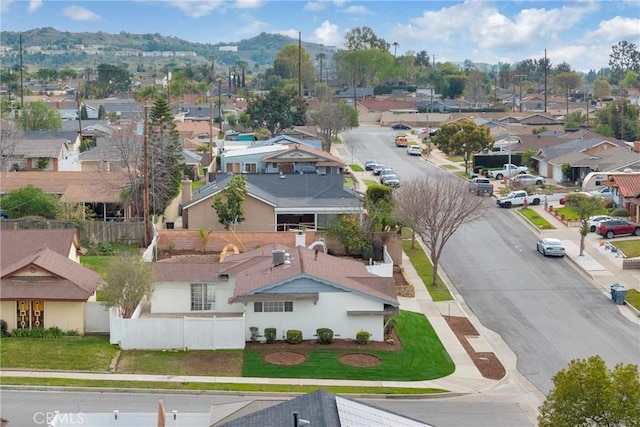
x: 435, y: 208
x: 127, y: 280
x: 9, y: 135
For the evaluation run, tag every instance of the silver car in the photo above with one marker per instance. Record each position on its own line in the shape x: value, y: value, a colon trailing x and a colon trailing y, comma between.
x: 528, y: 179
x: 593, y: 221
x: 550, y: 246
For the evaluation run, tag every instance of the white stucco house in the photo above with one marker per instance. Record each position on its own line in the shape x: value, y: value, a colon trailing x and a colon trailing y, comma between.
x: 276, y: 286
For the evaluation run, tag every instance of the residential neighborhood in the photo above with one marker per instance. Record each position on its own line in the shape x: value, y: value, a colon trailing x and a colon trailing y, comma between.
x: 226, y: 229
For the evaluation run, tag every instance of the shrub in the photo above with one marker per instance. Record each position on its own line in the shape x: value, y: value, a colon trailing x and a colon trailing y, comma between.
x: 620, y: 212
x: 53, y: 332
x: 325, y: 335
x: 363, y: 337
x: 4, y: 328
x: 71, y: 333
x: 294, y: 336
x: 270, y: 335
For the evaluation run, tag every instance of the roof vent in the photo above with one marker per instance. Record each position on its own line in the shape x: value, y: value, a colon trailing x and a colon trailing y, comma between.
x: 628, y: 170
x: 278, y: 257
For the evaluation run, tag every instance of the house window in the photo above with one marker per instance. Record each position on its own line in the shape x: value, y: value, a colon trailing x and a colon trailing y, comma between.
x: 202, y: 297
x: 273, y: 306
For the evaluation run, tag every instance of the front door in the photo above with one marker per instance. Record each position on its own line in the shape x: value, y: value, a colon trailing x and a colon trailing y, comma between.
x: 30, y: 314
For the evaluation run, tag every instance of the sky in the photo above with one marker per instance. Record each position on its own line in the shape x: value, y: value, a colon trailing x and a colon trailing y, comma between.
x: 580, y: 33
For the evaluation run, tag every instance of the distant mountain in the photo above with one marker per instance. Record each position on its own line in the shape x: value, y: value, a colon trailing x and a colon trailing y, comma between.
x: 50, y: 47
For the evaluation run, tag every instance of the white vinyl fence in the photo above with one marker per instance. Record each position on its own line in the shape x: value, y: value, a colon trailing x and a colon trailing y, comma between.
x: 96, y: 318
x: 217, y: 333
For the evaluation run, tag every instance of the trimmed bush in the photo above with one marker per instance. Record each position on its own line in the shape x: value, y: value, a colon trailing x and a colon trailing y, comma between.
x: 270, y: 335
x: 325, y: 335
x: 4, y: 328
x: 620, y: 212
x: 53, y: 332
x: 294, y: 336
x: 363, y: 337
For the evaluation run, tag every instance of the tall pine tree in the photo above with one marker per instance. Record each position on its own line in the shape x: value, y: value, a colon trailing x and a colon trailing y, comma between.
x: 166, y: 163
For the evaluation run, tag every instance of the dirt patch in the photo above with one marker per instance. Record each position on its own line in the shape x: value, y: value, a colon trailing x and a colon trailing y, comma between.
x: 487, y: 363
x: 188, y: 257
x: 360, y: 360
x: 403, y: 288
x: 392, y: 343
x: 200, y: 362
x: 286, y: 358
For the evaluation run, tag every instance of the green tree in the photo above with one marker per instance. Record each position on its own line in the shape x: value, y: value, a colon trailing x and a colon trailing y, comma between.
x: 585, y: 207
x: 112, y: 79
x: 348, y: 230
x: 277, y: 110
x: 147, y: 93
x: 587, y: 393
x: 463, y: 138
x: 601, y: 88
x: 618, y: 117
x: 229, y: 204
x: 30, y: 201
x: 166, y: 163
x: 331, y: 119
x: 361, y: 38
x: 624, y: 56
x: 128, y: 278
x: 575, y: 119
x: 38, y: 115
x: 293, y: 64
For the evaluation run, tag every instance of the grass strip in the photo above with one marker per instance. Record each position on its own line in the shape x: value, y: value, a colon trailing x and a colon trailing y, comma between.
x: 369, y: 182
x: 423, y: 266
x: 633, y: 298
x: 422, y: 357
x: 630, y: 248
x: 356, y: 167
x: 348, y: 182
x: 267, y: 388
x: 450, y: 167
x: 535, y: 219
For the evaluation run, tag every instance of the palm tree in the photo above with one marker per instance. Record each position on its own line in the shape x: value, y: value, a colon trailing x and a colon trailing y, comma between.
x: 395, y: 48
x: 147, y: 93
x: 320, y: 57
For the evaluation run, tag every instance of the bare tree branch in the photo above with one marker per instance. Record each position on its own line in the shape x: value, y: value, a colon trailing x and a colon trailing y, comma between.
x: 9, y: 134
x: 435, y: 208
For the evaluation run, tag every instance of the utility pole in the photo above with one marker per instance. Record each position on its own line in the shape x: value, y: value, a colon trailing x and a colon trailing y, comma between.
x: 145, y: 176
x: 79, y: 116
x: 545, y: 80
x: 213, y: 60
x: 300, y: 64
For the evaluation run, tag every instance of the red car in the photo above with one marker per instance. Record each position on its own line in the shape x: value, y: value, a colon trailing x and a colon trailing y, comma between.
x: 617, y: 227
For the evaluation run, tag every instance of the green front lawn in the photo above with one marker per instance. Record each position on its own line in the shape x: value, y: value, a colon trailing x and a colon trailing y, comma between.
x: 535, y: 219
x: 348, y: 182
x: 89, y: 353
x: 630, y: 248
x: 218, y: 363
x: 633, y: 298
x: 422, y: 357
x: 97, y: 263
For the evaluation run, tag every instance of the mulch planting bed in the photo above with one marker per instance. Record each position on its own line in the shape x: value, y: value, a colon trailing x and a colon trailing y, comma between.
x: 287, y: 358
x: 360, y: 360
x: 487, y: 363
x: 337, y: 344
x: 403, y: 288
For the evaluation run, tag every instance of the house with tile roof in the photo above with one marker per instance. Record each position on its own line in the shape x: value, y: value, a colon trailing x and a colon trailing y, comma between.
x: 42, y: 283
x: 275, y: 202
x: 626, y: 191
x: 281, y: 287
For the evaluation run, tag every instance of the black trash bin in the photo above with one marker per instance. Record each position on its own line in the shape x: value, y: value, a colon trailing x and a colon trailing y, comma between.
x: 169, y: 225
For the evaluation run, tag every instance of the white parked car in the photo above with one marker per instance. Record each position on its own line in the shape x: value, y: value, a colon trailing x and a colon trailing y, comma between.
x: 528, y: 179
x: 414, y: 150
x: 604, y: 192
x: 550, y: 246
x: 597, y: 219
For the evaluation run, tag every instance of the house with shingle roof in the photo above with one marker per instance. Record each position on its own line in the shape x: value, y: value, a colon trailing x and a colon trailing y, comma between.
x: 42, y: 283
x: 275, y: 202
x: 280, y: 287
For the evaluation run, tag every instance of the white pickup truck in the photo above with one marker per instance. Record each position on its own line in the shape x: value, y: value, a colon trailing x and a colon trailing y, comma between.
x: 508, y: 170
x: 517, y: 198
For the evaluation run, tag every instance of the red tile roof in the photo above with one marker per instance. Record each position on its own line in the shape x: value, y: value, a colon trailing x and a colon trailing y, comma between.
x: 629, y: 185
x: 254, y: 272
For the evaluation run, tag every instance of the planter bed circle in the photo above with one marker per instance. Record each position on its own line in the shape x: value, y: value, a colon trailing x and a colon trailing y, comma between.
x: 286, y: 358
x: 360, y: 360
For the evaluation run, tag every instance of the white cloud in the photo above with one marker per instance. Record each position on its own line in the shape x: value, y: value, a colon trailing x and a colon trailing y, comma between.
x: 327, y: 34
x: 34, y: 5
x: 616, y: 29
x: 314, y: 6
x: 5, y: 6
x: 357, y: 10
x: 339, y: 3
x: 196, y: 9
x: 289, y: 33
x: 248, y: 4
x: 78, y: 13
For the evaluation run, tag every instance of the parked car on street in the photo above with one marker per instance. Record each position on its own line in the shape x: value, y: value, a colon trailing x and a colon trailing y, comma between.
x: 528, y: 179
x: 550, y: 247
x: 391, y: 181
x: 414, y: 150
x: 518, y: 198
x: 369, y: 164
x: 387, y: 173
x: 593, y: 221
x: 400, y: 126
x: 480, y: 186
x: 617, y: 227
x: 378, y: 168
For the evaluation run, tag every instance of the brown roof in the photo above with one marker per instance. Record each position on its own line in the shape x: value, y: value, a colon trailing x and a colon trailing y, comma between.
x: 17, y: 244
x: 103, y: 186
x: 256, y: 273
x: 283, y: 155
x: 629, y: 185
x: 185, y: 272
x: 64, y: 279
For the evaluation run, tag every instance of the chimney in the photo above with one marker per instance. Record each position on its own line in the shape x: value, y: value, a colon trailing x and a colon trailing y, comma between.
x: 636, y: 146
x: 278, y: 257
x: 186, y: 191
